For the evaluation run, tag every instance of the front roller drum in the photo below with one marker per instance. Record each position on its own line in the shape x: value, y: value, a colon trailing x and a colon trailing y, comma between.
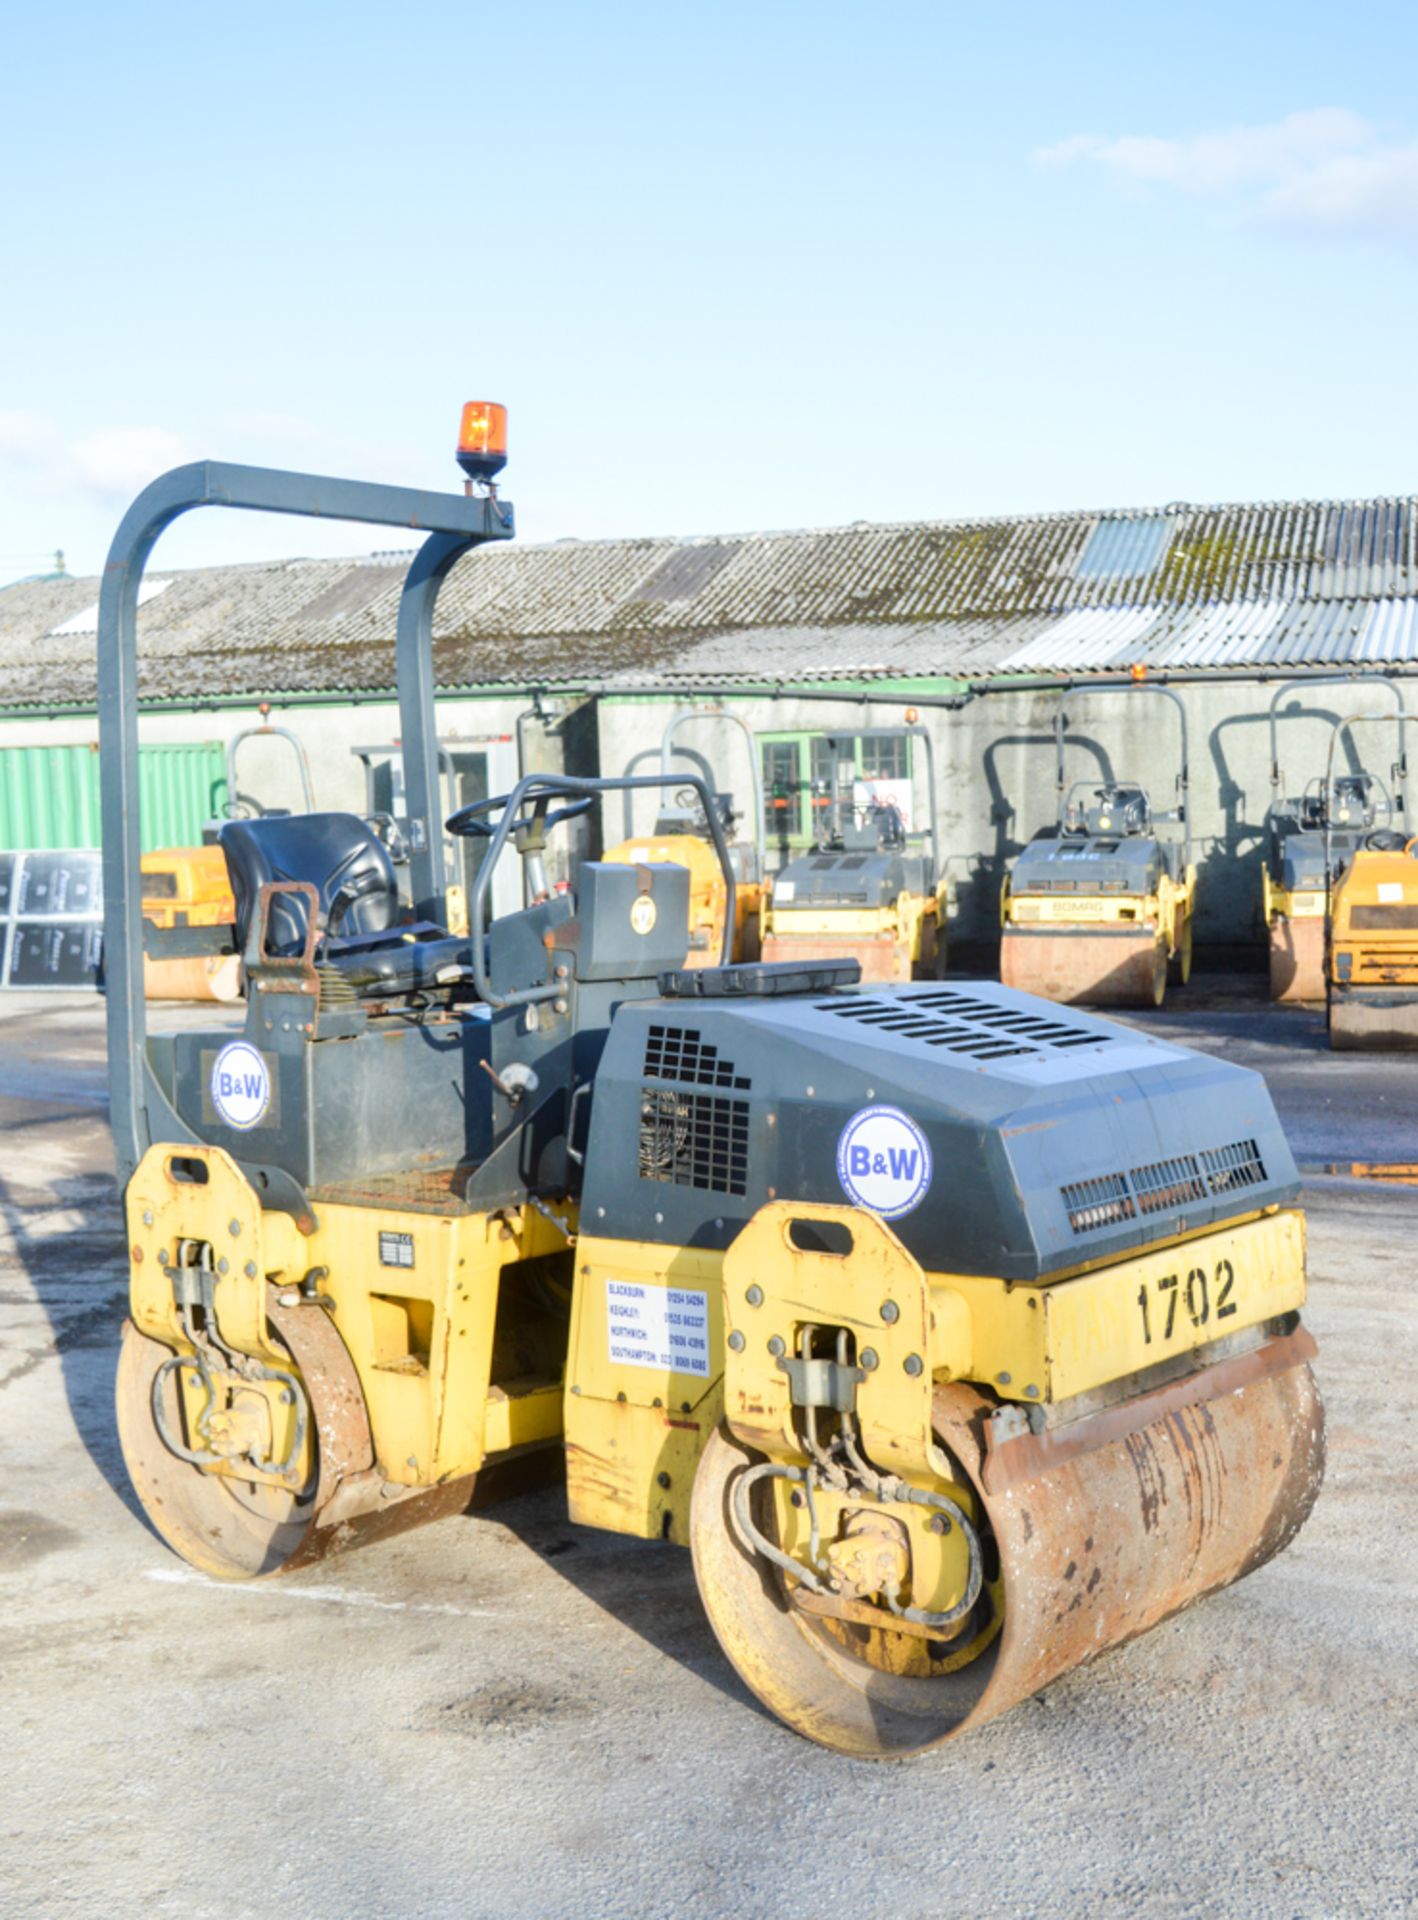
x: 882, y: 958
x: 1373, y: 1019
x: 1079, y: 1558
x: 202, y: 977
x: 237, y: 1529
x: 1085, y: 966
x: 1297, y: 959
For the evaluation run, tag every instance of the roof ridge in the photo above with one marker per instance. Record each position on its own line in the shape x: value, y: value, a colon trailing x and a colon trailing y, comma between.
x: 961, y: 523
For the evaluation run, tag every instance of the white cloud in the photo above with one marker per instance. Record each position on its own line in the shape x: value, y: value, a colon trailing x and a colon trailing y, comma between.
x: 119, y: 462
x: 25, y: 439
x: 1328, y: 169
x: 106, y: 466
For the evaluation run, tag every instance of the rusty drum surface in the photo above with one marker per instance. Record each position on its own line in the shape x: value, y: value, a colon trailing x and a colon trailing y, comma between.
x: 1092, y: 1552
x: 242, y: 1530
x: 1373, y: 1019
x: 881, y: 956
x: 1086, y: 967
x: 1106, y: 1545
x: 1297, y: 958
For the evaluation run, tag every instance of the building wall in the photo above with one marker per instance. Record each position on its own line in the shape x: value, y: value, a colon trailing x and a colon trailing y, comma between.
x: 267, y: 769
x: 995, y: 775
x: 994, y: 768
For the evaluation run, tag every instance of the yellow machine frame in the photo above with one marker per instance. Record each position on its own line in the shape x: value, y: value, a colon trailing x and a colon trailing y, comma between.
x: 1281, y: 903
x: 1168, y: 912
x: 423, y: 1339
x: 1167, y: 915
x: 633, y: 1433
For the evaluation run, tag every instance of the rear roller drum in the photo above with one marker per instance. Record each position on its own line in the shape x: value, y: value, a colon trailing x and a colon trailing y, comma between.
x: 237, y: 1528
x: 1088, y: 1555
x: 228, y: 1527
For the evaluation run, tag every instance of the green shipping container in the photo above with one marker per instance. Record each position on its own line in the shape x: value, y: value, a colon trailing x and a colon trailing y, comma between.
x: 49, y: 795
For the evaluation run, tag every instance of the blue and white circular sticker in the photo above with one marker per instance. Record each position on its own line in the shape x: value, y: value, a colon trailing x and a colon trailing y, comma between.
x: 241, y: 1085
x: 884, y: 1161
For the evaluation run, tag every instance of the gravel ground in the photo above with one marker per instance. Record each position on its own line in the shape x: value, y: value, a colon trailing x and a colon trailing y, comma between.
x: 509, y: 1715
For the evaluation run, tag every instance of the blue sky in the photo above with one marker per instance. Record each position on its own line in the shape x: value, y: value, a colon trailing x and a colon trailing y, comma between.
x: 729, y: 266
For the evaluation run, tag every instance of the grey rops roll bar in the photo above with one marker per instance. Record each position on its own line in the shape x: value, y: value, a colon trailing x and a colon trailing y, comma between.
x: 265, y: 731
x: 905, y: 733
x: 683, y: 718
x: 1352, y: 679
x: 454, y: 524
x: 1342, y: 727
x: 841, y: 736
x: 1127, y: 686
x: 568, y: 786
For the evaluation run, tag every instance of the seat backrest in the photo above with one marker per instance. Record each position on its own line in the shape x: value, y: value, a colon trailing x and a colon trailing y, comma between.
x: 336, y: 853
x: 1122, y: 808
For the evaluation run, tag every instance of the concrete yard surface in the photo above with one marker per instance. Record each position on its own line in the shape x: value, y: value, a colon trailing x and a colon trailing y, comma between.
x: 510, y: 1716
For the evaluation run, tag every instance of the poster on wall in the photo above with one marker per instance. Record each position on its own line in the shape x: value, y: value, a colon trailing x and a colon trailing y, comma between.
x: 51, y: 920
x: 880, y: 791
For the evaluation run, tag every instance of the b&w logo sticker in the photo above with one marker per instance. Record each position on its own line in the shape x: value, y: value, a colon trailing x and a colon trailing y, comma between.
x: 884, y: 1161
x: 241, y: 1086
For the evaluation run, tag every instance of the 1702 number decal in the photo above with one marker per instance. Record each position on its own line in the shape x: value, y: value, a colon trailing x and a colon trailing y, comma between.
x: 1202, y: 1296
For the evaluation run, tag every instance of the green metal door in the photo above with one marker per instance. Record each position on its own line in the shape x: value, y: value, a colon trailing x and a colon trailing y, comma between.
x: 49, y: 795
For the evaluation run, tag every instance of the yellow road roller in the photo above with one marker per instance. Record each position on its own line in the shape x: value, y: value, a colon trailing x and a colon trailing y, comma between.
x: 681, y: 836
x: 1099, y: 906
x: 957, y: 1336
x: 1371, y: 932
x: 1354, y: 806
x: 189, y: 887
x: 872, y: 889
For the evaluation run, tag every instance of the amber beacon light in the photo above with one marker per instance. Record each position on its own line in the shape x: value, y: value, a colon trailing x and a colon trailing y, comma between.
x: 482, y: 439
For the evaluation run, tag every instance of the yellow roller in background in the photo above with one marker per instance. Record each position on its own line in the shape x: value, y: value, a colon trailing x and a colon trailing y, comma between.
x: 189, y: 887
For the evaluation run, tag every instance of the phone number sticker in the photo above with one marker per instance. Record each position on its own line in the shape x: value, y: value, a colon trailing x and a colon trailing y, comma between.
x: 662, y: 1327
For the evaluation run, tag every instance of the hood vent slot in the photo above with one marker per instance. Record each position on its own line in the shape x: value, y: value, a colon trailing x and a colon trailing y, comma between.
x: 1167, y: 1184
x: 962, y: 1024
x: 1228, y: 1169
x: 1104, y: 1202
x: 1163, y: 1186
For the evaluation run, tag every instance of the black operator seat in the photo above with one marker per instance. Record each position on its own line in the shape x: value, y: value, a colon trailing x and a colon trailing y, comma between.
x: 1123, y: 808
x: 347, y: 864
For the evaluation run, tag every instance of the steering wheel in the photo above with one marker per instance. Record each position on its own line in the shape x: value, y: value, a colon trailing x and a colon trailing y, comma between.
x: 1386, y: 840
x: 472, y: 822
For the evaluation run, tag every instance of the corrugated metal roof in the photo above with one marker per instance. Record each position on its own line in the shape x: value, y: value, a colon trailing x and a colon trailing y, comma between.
x: 1125, y: 549
x: 1265, y: 584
